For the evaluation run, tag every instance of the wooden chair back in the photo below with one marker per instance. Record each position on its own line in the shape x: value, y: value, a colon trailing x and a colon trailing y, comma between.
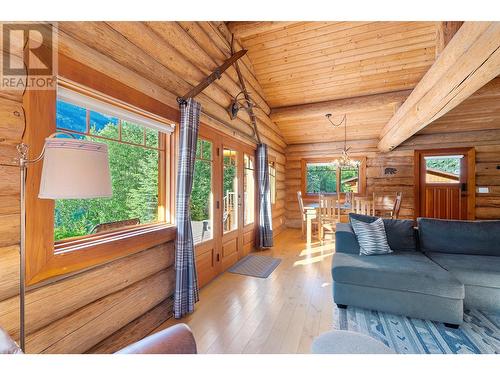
x: 329, y: 209
x: 363, y: 206
x: 397, y: 205
x: 301, y: 202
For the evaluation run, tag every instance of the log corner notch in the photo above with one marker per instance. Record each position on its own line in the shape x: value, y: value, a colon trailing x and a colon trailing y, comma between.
x: 468, y: 62
x: 216, y: 74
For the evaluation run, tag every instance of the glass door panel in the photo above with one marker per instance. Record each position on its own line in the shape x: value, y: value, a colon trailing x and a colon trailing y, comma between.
x: 201, y: 204
x: 230, y: 190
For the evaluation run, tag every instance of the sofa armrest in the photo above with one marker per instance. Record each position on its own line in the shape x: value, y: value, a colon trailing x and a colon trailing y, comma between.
x: 345, y: 239
x: 177, y: 339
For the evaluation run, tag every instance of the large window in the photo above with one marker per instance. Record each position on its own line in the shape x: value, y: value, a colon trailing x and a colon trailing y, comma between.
x: 324, y: 177
x: 201, y: 197
x: 136, y: 153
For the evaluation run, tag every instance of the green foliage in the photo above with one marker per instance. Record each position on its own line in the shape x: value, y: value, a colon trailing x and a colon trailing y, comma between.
x: 134, y: 174
x: 347, y: 174
x: 202, y: 182
x: 450, y: 165
x: 321, y: 179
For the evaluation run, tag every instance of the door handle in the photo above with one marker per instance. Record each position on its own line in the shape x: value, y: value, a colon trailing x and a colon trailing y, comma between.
x: 463, y: 187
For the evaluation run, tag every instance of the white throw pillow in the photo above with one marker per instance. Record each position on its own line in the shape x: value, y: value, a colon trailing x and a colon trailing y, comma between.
x: 371, y: 237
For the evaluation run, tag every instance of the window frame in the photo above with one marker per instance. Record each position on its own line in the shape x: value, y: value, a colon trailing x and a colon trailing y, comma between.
x: 361, y: 176
x: 62, y: 245
x: 48, y: 260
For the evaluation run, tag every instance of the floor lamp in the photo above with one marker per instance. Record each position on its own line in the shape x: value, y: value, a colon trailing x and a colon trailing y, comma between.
x: 72, y: 169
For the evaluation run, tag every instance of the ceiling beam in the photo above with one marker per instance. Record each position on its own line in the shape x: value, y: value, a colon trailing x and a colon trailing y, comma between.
x: 445, y: 32
x: 469, y: 61
x: 245, y: 29
x: 339, y: 107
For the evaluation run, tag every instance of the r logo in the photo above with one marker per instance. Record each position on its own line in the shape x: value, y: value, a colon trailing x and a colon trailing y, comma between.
x: 29, y: 57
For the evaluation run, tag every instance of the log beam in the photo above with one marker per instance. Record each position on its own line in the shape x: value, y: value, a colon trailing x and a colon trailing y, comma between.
x: 445, y: 31
x: 339, y: 107
x: 470, y: 60
x: 245, y: 29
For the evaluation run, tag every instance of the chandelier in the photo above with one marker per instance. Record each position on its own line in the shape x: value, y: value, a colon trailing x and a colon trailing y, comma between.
x: 344, y: 161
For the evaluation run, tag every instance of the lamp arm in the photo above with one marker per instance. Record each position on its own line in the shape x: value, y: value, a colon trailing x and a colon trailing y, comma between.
x: 22, y: 150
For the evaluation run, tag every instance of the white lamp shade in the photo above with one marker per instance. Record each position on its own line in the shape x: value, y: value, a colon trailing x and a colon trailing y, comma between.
x: 75, y: 169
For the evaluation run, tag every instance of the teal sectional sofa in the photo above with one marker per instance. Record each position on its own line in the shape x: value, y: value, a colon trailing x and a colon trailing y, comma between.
x: 432, y: 274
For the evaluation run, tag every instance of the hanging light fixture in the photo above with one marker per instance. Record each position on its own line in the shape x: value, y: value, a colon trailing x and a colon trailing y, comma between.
x: 344, y: 161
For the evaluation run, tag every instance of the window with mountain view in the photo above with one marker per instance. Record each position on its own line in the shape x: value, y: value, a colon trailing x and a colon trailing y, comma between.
x: 135, y: 154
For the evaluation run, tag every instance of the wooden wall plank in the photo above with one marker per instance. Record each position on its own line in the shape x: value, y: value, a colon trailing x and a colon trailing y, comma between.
x: 84, y: 328
x: 136, y: 330
x: 77, y: 291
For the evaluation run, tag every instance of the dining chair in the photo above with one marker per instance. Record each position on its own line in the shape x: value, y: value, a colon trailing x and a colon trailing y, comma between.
x: 302, y: 209
x: 363, y: 206
x: 328, y: 214
x: 397, y: 205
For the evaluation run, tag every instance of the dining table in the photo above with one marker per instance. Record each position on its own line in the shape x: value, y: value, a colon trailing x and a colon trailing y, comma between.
x: 311, y: 213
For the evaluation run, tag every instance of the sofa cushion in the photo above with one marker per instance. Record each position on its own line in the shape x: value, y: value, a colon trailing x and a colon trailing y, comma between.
x: 476, y: 270
x: 405, y: 271
x: 459, y: 237
x: 371, y: 237
x: 401, y: 234
x: 345, y: 239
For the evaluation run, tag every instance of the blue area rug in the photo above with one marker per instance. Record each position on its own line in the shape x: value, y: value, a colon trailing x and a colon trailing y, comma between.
x: 255, y: 265
x: 479, y: 334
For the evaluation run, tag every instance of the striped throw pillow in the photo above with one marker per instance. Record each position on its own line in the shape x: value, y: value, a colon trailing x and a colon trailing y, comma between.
x: 371, y: 237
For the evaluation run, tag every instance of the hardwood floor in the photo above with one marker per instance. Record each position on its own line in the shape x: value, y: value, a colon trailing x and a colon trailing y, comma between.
x: 280, y: 314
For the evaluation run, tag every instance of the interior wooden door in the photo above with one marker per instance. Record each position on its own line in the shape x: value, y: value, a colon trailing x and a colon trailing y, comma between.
x: 445, y: 184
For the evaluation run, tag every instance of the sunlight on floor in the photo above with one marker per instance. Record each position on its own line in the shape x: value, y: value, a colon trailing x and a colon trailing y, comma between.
x: 317, y: 249
x: 311, y: 260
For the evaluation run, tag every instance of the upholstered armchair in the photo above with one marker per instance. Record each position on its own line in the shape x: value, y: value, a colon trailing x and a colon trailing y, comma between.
x: 177, y: 339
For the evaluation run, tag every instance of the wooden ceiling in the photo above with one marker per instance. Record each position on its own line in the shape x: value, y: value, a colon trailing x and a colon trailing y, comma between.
x: 308, y: 62
x: 298, y: 63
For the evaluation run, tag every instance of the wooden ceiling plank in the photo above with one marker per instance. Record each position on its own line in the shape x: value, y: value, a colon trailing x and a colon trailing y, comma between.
x: 381, y: 61
x: 341, y: 55
x: 308, y: 34
x: 289, y: 32
x: 354, y: 76
x: 469, y: 61
x: 336, y: 37
x: 245, y: 29
x: 380, y: 80
x: 349, y: 39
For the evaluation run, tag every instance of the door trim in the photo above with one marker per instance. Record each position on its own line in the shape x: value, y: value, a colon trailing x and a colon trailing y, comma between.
x: 471, y: 176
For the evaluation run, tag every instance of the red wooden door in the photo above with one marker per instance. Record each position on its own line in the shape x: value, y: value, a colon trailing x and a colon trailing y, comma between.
x: 445, y: 189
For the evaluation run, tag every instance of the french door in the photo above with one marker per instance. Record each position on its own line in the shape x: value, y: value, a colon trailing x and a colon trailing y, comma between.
x: 445, y: 183
x: 222, y: 203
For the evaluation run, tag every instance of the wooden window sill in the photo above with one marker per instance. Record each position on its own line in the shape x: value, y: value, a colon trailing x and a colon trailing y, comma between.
x: 78, y: 254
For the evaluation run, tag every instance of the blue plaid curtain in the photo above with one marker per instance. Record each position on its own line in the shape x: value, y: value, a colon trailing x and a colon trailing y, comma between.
x: 265, y: 230
x: 186, y: 283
